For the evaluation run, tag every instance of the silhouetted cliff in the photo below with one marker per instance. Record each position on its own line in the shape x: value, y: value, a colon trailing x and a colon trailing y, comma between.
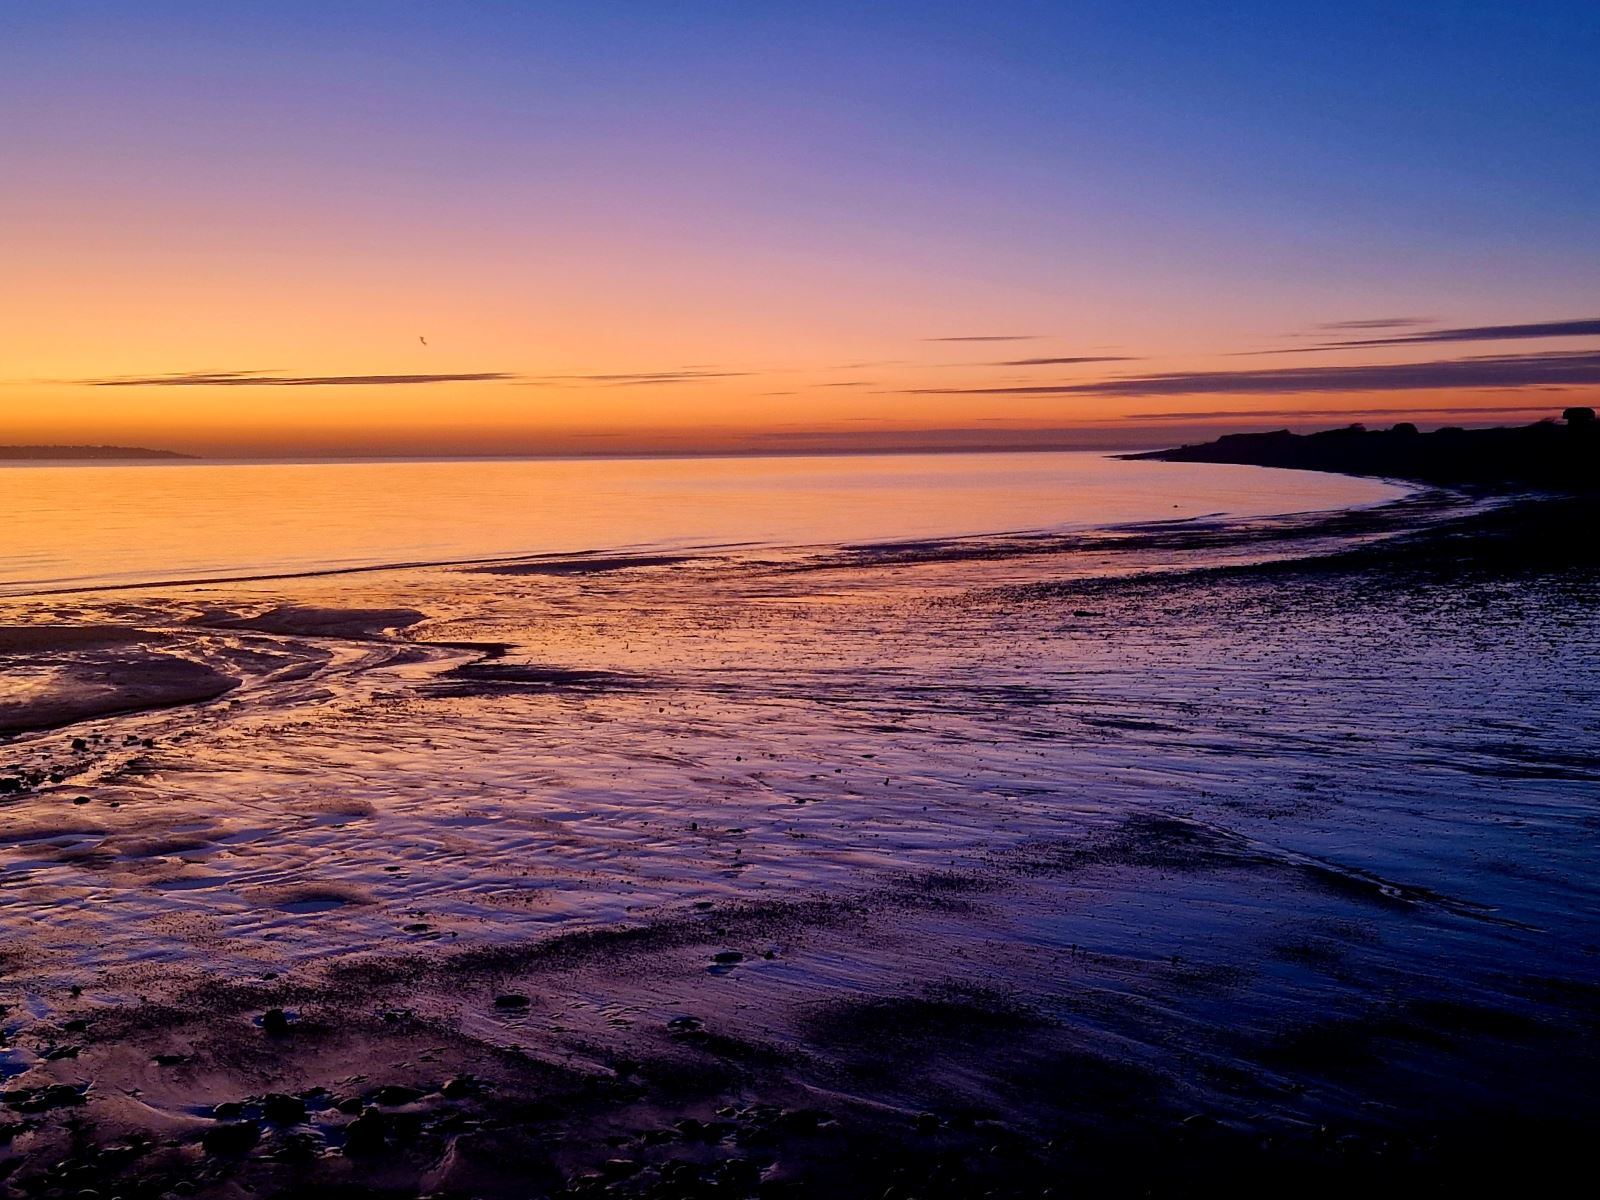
x: 1547, y: 455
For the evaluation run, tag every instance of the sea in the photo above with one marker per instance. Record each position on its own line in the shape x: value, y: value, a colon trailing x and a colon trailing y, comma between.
x: 92, y: 525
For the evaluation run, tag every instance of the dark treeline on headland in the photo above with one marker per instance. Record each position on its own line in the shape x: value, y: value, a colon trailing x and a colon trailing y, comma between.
x: 1546, y: 455
x: 69, y: 453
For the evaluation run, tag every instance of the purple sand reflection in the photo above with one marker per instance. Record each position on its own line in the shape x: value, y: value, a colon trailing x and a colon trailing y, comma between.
x: 837, y: 866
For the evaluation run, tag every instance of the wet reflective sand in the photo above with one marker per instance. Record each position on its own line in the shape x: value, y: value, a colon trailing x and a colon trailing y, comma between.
x: 955, y: 866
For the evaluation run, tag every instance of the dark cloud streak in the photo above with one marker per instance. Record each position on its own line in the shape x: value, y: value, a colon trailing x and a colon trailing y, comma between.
x: 1053, y: 362
x: 1555, y: 368
x: 1378, y: 323
x: 641, y: 378
x: 989, y: 337
x: 1583, y: 327
x: 263, y: 379
x: 273, y: 379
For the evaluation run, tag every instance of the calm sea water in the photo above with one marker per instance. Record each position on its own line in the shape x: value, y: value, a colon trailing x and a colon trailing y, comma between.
x: 77, y: 525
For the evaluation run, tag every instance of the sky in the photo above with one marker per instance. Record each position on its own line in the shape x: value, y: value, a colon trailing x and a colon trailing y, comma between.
x: 333, y: 228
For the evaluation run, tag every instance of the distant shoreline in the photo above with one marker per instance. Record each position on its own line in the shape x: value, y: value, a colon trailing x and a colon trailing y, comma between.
x: 1545, y: 456
x: 83, y: 453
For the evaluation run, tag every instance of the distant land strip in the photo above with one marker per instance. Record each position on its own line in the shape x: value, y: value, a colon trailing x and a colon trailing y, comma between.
x: 1544, y: 456
x: 68, y: 453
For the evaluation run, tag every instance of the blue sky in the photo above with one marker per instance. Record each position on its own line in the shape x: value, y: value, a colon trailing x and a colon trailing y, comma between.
x: 1178, y: 179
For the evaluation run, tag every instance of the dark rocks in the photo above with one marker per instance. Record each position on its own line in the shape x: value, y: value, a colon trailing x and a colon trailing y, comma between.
x: 233, y: 1139
x: 275, y: 1021
x: 738, y: 1175
x: 394, y: 1094
x: 683, y: 1177
x: 281, y: 1109
x: 925, y: 1123
x: 365, y: 1135
x: 406, y: 1128
x: 228, y: 1110
x: 299, y: 1146
x: 619, y: 1168
x: 727, y: 957
x: 709, y: 1132
x: 454, y: 1121
x: 511, y: 1002
x: 42, y: 1099
x: 802, y: 1120
x: 687, y: 1029
x: 458, y: 1086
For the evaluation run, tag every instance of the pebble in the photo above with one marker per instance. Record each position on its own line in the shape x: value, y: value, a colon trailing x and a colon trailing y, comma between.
x: 619, y: 1168
x: 365, y: 1134
x: 233, y: 1139
x: 283, y: 1110
x: 394, y: 1093
x: 42, y: 1099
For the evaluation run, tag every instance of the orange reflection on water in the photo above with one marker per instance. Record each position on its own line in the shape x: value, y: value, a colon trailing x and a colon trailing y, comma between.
x: 76, y: 525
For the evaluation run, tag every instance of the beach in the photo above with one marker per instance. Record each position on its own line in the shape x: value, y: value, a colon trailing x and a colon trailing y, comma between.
x: 1115, y: 860
x: 753, y: 602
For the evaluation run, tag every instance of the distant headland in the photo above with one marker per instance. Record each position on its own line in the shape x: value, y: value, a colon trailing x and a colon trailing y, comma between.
x: 1547, y: 455
x: 70, y: 453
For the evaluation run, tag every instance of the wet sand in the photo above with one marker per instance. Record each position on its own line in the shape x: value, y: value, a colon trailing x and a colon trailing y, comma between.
x: 1142, y: 862
x: 60, y: 674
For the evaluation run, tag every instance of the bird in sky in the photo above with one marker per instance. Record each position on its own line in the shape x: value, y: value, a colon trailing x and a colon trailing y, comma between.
x: 422, y: 339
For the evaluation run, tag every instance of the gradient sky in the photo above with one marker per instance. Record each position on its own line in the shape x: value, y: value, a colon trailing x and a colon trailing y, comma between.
x: 226, y: 228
